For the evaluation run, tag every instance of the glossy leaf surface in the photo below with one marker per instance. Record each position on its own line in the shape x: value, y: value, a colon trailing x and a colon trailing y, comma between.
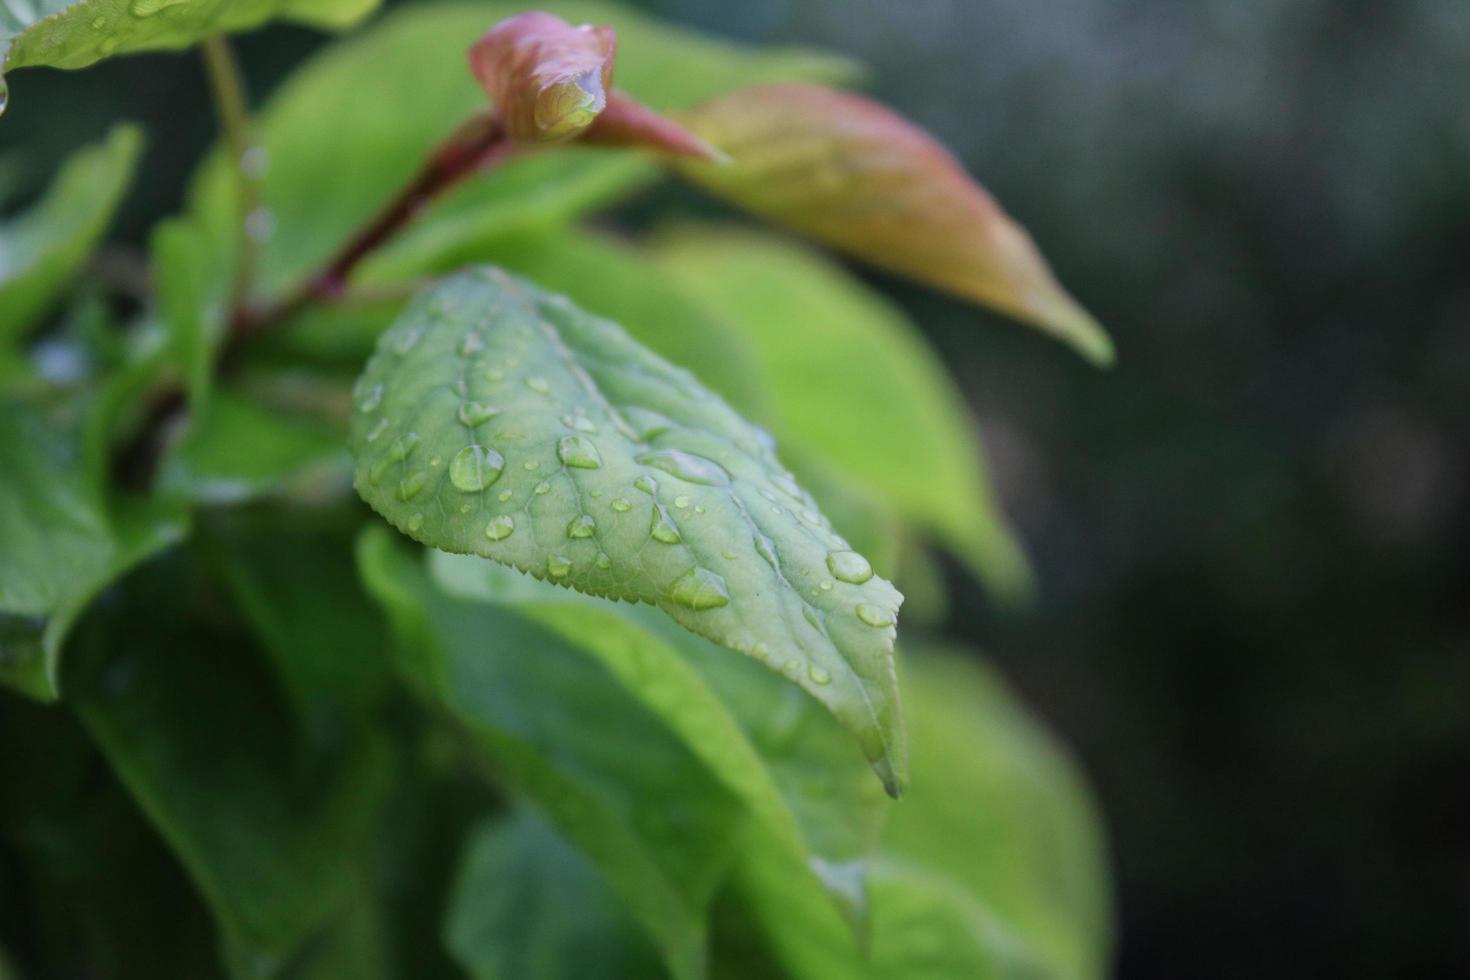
x: 502, y: 421
x: 77, y: 33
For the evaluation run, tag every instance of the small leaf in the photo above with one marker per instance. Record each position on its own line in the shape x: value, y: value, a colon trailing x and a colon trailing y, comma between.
x: 502, y: 421
x: 915, y: 445
x: 547, y: 79
x: 77, y: 33
x: 42, y: 249
x: 858, y: 176
x: 527, y: 904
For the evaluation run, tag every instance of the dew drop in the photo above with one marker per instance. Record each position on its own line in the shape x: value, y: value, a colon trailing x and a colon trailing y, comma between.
x: 825, y: 586
x: 647, y: 484
x: 538, y: 384
x: 376, y: 471
x: 504, y: 495
x: 558, y: 566
x: 500, y: 527
x: 409, y: 338
x: 874, y: 616
x: 761, y: 650
x: 147, y: 8
x: 475, y: 468
x: 98, y: 23
x: 533, y: 464
x: 582, y: 527
x: 766, y: 548
x: 681, y: 502
x: 849, y: 566
x: 700, y: 588
x: 698, y: 509
x: 687, y: 467
x: 818, y: 674
x: 603, y: 561
x: 403, y: 446
x: 663, y: 529
x: 376, y: 432
x: 579, y: 422
x: 371, y: 399
x: 415, y: 523
x: 410, y: 486
x: 579, y: 452
x: 476, y: 413
x: 541, y: 489
x: 621, y: 506
x: 472, y: 343
x: 813, y: 618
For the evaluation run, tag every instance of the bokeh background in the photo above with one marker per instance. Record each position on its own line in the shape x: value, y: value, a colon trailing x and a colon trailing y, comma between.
x: 1254, y: 533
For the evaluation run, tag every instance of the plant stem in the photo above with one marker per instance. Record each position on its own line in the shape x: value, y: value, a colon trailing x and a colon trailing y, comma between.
x: 227, y: 86
x: 478, y: 143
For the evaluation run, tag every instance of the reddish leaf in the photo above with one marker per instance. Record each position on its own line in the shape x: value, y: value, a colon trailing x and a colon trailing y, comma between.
x: 548, y: 79
x: 860, y: 177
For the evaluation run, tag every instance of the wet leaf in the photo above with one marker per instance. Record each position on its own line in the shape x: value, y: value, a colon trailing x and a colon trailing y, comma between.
x: 502, y: 421
x: 856, y: 175
x: 77, y: 33
x: 885, y: 414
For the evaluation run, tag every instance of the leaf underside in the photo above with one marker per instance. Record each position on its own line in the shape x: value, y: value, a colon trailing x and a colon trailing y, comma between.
x: 499, y: 420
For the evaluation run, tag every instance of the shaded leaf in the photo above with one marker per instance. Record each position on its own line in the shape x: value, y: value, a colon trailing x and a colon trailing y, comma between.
x: 771, y: 744
x: 43, y: 248
x: 61, y: 539
x: 992, y: 867
x: 858, y: 176
x: 502, y: 421
x: 528, y: 905
x: 77, y: 33
x: 354, y: 98
x: 853, y: 383
x: 640, y: 806
x: 547, y: 79
x: 239, y: 449
x: 272, y: 833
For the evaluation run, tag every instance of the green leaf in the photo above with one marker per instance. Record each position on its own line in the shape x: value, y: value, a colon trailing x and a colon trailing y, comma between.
x: 639, y: 805
x: 503, y: 421
x: 61, y: 539
x: 77, y: 33
x: 43, y: 248
x: 773, y: 746
x: 354, y: 98
x: 853, y: 383
x: 858, y: 176
x: 617, y: 281
x: 272, y: 833
x: 528, y: 905
x: 991, y: 867
x: 194, y: 326
x: 240, y: 449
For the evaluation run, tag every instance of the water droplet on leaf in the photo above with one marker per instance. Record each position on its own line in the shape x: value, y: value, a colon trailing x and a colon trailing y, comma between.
x: 475, y: 468
x: 687, y: 467
x: 700, y: 588
x: 874, y: 616
x: 409, y: 486
x: 558, y: 566
x: 582, y: 527
x: 663, y: 529
x: 500, y: 527
x: 579, y: 451
x: 849, y: 566
x: 476, y: 413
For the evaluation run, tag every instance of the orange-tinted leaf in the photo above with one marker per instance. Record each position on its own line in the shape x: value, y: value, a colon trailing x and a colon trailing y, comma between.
x: 548, y: 79
x: 627, y: 122
x: 860, y: 177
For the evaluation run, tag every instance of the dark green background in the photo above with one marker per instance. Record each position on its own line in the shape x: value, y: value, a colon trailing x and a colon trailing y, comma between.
x: 1252, y: 534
